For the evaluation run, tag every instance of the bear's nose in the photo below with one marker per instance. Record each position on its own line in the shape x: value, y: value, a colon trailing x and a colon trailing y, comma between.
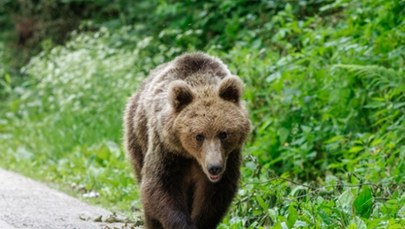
x: 214, y: 169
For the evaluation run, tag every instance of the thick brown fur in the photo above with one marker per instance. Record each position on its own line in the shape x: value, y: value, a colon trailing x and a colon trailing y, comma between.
x: 184, y: 130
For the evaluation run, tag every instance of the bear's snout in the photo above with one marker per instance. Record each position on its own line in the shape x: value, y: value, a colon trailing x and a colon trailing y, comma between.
x: 214, y: 169
x: 214, y: 160
x: 215, y: 172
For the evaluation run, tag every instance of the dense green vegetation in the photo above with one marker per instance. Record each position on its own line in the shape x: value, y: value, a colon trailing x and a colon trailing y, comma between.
x: 325, y: 85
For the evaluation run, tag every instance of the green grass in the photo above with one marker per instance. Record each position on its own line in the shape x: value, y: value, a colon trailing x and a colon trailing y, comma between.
x: 325, y: 95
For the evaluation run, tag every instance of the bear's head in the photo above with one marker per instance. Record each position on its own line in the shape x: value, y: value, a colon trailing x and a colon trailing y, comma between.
x: 210, y: 122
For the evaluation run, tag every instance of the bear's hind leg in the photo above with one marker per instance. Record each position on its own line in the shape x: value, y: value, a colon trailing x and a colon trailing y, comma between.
x: 136, y: 156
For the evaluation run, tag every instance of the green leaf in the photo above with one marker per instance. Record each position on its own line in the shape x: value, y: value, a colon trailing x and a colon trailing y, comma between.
x: 7, y: 78
x: 292, y: 216
x: 356, y: 149
x: 306, y: 129
x: 283, y: 134
x: 363, y: 204
x: 261, y: 202
x: 357, y: 223
x: 337, y: 138
x: 345, y: 200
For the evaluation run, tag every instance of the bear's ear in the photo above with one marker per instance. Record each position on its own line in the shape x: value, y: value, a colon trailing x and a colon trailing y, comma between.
x: 231, y: 89
x: 180, y: 95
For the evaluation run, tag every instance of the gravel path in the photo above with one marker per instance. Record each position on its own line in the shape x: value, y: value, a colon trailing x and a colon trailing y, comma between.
x: 25, y: 203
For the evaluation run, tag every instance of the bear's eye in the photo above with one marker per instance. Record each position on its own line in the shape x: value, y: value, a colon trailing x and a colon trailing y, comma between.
x: 222, y: 135
x: 199, y: 137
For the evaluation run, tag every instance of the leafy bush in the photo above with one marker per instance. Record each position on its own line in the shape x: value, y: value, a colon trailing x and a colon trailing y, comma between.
x: 68, y: 120
x: 324, y: 86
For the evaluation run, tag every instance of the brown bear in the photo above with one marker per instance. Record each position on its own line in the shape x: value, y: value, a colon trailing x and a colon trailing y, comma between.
x: 184, y: 130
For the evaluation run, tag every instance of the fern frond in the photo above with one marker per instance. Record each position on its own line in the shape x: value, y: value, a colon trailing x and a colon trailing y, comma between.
x: 369, y: 70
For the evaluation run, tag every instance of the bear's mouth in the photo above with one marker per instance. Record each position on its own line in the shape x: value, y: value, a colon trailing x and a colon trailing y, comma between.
x: 214, y: 178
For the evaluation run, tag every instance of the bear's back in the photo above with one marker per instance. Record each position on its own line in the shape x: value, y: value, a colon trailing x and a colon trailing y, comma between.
x: 198, y: 64
x: 196, y: 69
